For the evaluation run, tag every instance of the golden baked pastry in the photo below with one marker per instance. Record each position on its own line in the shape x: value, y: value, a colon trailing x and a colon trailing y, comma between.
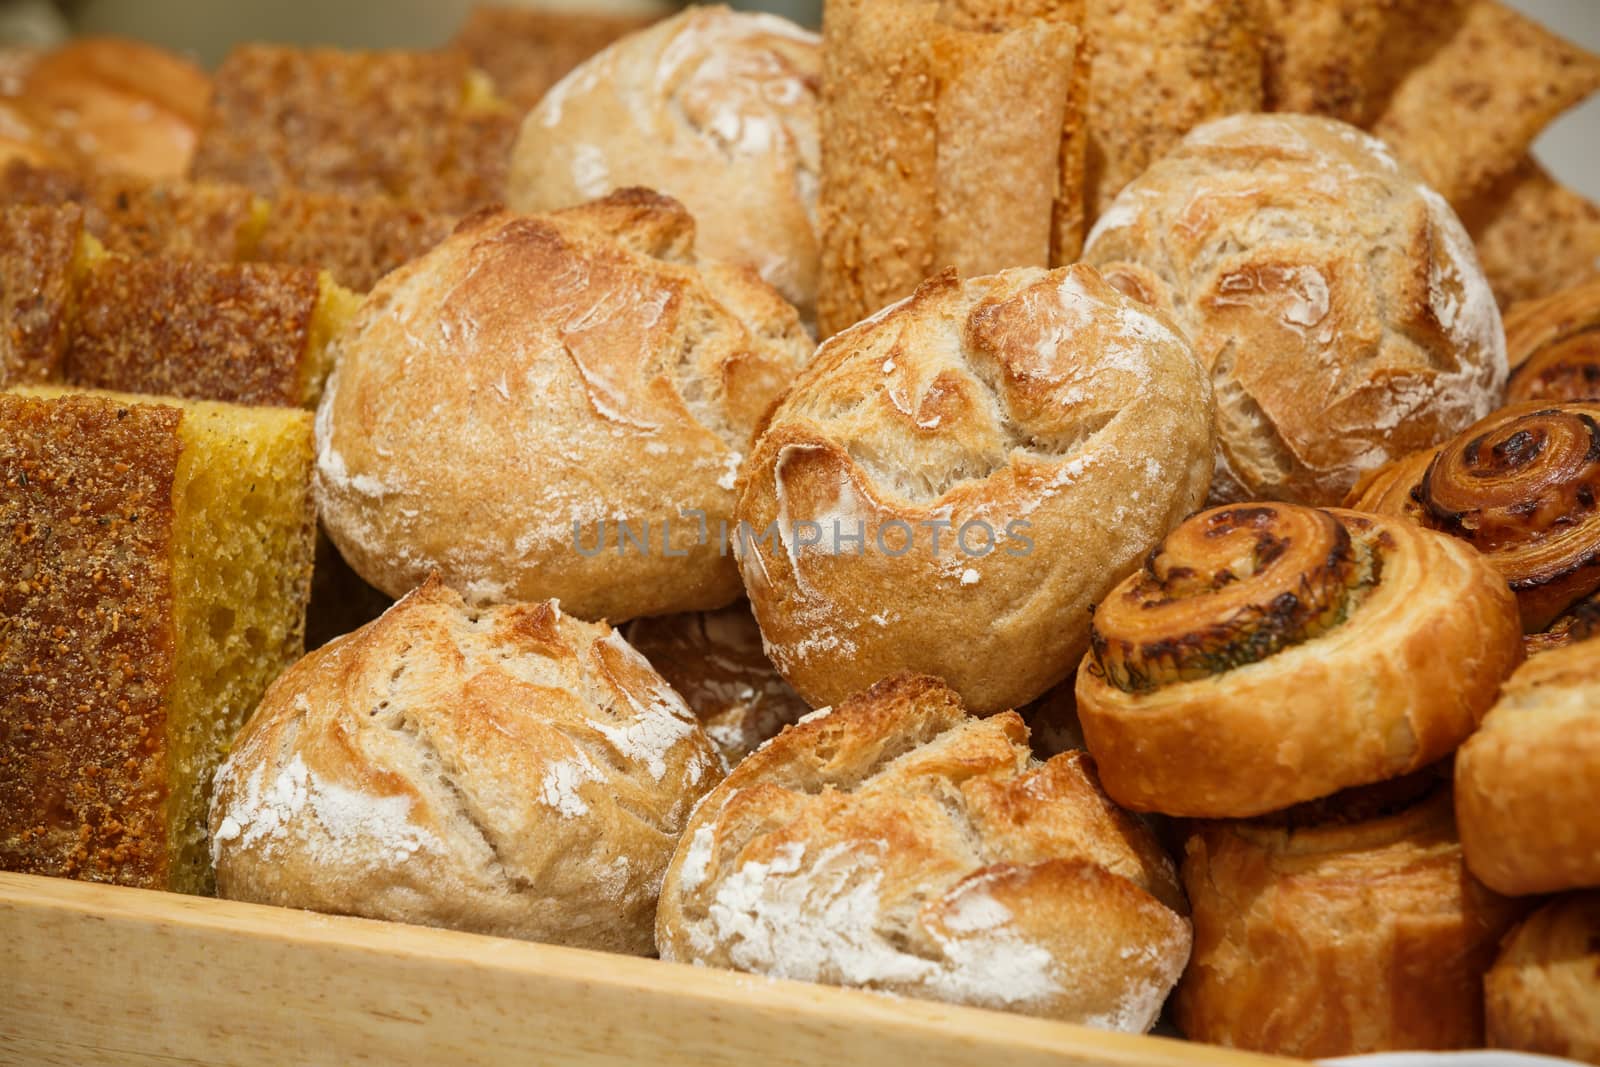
x: 153, y: 580
x: 715, y: 108
x: 1335, y: 300
x: 424, y: 127
x: 715, y: 662
x: 893, y: 843
x: 1520, y: 487
x: 44, y: 253
x: 503, y: 404
x: 951, y: 484
x: 527, y: 50
x: 1356, y: 930
x: 1578, y: 623
x: 1553, y: 346
x: 510, y: 771
x: 1528, y: 782
x: 1268, y: 654
x: 1543, y: 993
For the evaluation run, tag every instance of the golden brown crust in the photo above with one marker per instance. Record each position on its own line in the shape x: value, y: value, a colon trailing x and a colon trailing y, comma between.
x: 1534, y: 236
x: 502, y: 403
x: 526, y: 51
x: 1553, y: 346
x: 1335, y: 299
x: 282, y: 116
x: 38, y: 255
x: 357, y: 239
x: 87, y: 645
x: 1362, y: 696
x: 715, y: 661
x: 1339, y: 940
x: 1062, y: 426
x: 511, y: 771
x: 893, y: 843
x: 1543, y: 993
x: 1529, y: 779
x: 210, y: 331
x: 1520, y: 486
x: 1502, y: 78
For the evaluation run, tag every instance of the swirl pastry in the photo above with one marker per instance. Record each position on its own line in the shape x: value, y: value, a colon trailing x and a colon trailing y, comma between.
x: 1553, y: 346
x: 1578, y: 623
x: 1268, y: 654
x: 1528, y: 782
x: 1353, y: 932
x: 1543, y: 993
x: 1519, y: 486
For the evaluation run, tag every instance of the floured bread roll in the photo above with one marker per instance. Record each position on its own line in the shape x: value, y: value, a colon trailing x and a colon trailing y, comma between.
x: 1346, y: 927
x: 1543, y: 993
x: 502, y: 404
x: 952, y: 483
x: 894, y: 843
x: 716, y: 108
x: 1528, y: 782
x: 1336, y: 300
x: 512, y: 771
x: 714, y: 660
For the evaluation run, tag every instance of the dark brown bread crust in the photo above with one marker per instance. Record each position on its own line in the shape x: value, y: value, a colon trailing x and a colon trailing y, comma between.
x: 38, y: 246
x: 206, y: 331
x: 526, y: 52
x: 363, y: 123
x: 357, y: 239
x: 86, y: 633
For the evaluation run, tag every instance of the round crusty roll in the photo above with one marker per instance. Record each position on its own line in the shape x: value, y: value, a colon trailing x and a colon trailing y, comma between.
x: 895, y: 844
x: 1354, y: 930
x: 1553, y: 346
x: 1520, y: 486
x: 1336, y: 300
x: 952, y: 483
x: 1268, y: 654
x: 504, y: 403
x: 713, y: 107
x: 1543, y: 994
x: 510, y: 771
x: 1528, y: 782
x: 714, y: 660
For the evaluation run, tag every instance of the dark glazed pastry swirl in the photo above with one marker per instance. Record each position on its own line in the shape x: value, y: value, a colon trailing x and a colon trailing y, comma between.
x: 1229, y: 587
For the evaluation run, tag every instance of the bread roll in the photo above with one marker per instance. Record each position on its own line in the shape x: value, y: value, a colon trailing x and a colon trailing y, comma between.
x: 1335, y: 300
x: 1543, y: 993
x: 716, y: 108
x: 511, y: 771
x: 951, y: 484
x: 1518, y: 486
x: 714, y: 660
x: 1268, y: 654
x: 505, y: 402
x: 893, y: 843
x: 1528, y: 782
x: 1358, y: 932
x: 1553, y: 346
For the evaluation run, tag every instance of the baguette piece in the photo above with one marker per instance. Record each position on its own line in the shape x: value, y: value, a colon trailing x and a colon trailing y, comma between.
x: 153, y: 581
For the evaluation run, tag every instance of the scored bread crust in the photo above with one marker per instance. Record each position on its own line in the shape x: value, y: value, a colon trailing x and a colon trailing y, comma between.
x: 1374, y: 697
x: 1336, y: 302
x: 1036, y: 397
x: 534, y: 377
x: 1528, y: 782
x: 512, y: 771
x: 1337, y: 938
x: 715, y: 108
x: 1543, y: 994
x: 894, y: 843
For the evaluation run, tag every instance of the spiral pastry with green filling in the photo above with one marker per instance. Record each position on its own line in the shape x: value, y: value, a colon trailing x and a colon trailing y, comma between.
x: 1521, y: 487
x: 1269, y: 654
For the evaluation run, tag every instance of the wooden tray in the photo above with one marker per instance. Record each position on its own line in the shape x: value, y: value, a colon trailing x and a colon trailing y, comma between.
x: 94, y: 974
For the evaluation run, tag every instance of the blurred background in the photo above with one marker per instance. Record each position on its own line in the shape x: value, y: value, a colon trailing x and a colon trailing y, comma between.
x: 205, y: 29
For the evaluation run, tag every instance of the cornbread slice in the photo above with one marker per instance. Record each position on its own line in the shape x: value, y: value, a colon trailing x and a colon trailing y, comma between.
x: 153, y: 580
x: 250, y: 333
x: 526, y: 51
x: 43, y: 250
x: 423, y: 127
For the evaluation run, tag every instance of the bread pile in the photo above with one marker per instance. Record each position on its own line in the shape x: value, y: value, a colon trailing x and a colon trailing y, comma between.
x: 1176, y: 398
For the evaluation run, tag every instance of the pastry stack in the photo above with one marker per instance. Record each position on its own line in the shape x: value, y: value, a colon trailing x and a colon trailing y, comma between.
x: 1176, y: 397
